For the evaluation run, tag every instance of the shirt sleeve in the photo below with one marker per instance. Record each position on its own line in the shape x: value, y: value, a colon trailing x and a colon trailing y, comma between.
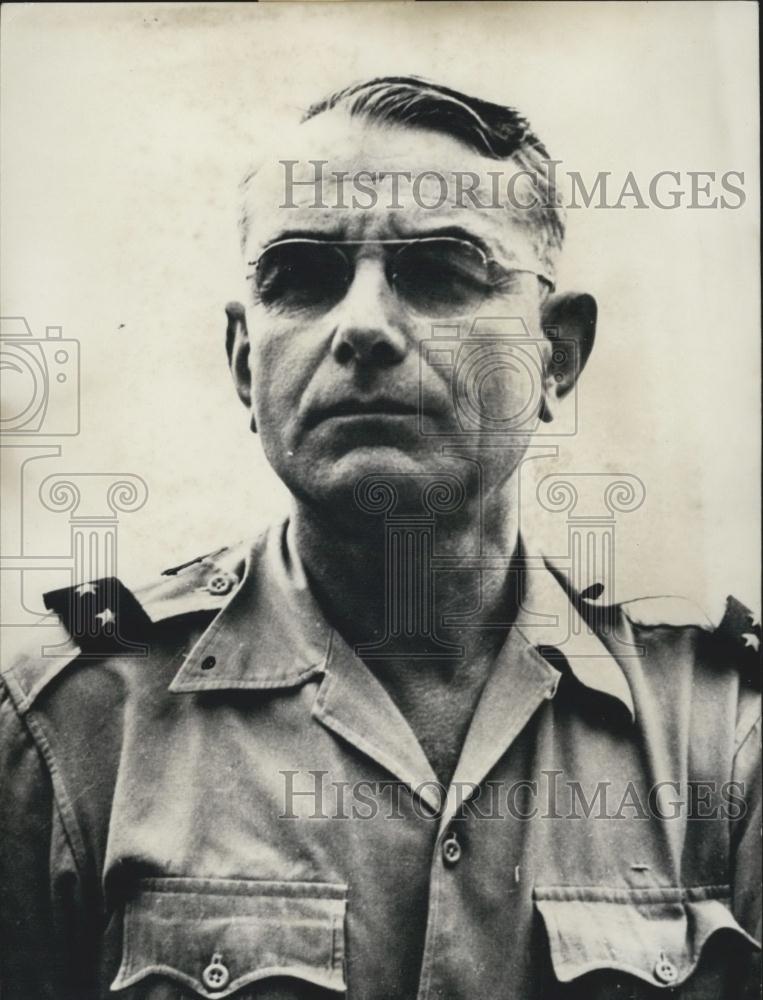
x: 746, y: 833
x: 43, y: 941
x: 746, y: 854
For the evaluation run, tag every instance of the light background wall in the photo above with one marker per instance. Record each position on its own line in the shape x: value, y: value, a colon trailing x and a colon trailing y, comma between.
x: 125, y: 129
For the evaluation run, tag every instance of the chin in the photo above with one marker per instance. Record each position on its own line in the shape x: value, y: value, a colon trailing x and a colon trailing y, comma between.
x: 378, y: 480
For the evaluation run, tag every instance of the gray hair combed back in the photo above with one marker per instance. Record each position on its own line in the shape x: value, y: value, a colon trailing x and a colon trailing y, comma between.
x: 496, y: 131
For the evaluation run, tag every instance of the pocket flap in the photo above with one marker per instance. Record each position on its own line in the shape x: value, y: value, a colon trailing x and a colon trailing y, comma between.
x: 656, y: 935
x: 217, y: 935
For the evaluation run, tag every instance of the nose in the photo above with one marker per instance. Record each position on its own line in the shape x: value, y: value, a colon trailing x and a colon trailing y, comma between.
x: 370, y: 327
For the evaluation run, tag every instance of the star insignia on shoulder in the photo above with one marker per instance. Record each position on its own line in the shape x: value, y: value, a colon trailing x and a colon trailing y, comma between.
x: 85, y: 588
x: 740, y: 628
x: 751, y: 641
x: 106, y: 617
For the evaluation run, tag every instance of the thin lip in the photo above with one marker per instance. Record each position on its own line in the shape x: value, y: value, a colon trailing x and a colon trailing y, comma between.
x: 362, y: 408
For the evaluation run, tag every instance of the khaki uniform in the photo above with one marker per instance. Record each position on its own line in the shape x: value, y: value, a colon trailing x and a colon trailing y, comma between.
x: 211, y: 796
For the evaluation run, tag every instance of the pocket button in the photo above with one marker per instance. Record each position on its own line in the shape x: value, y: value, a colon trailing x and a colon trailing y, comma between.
x: 216, y: 975
x: 664, y: 970
x: 220, y: 583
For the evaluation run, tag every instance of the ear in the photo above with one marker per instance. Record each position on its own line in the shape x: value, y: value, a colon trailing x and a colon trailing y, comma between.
x: 569, y: 324
x: 237, y: 349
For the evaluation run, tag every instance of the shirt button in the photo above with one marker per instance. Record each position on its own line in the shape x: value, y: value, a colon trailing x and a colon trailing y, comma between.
x: 216, y: 975
x: 220, y: 583
x: 664, y: 970
x: 451, y: 850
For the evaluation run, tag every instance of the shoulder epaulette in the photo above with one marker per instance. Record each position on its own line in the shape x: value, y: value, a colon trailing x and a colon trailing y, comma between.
x: 207, y: 558
x: 739, y: 630
x: 104, y: 618
x: 204, y: 584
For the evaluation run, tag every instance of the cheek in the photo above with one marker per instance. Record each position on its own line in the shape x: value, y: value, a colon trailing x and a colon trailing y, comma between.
x: 512, y: 392
x: 282, y: 361
x: 500, y: 388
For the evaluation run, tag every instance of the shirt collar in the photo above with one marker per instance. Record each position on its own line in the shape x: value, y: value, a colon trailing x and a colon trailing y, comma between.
x: 555, y: 620
x: 272, y: 634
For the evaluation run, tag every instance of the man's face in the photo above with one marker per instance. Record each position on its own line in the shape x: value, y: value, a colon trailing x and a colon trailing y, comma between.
x: 349, y: 386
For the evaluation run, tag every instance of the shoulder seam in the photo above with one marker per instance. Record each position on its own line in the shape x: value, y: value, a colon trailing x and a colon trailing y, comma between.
x: 691, y: 616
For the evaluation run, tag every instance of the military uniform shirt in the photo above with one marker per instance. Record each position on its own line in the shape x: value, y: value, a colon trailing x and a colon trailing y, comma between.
x: 225, y: 802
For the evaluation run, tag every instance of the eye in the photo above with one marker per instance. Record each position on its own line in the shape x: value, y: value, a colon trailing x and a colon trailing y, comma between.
x: 297, y: 275
x: 442, y: 277
x: 512, y: 282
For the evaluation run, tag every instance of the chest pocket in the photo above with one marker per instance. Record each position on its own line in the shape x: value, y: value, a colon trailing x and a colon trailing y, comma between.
x: 639, y: 942
x: 217, y: 936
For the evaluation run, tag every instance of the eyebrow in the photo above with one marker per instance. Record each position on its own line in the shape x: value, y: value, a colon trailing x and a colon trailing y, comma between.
x: 320, y: 235
x: 327, y: 235
x: 501, y: 254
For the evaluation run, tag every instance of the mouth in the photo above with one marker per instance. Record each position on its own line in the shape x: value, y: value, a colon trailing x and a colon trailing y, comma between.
x: 356, y: 409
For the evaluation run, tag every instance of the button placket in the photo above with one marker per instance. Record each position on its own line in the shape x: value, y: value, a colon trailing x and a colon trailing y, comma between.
x: 451, y: 849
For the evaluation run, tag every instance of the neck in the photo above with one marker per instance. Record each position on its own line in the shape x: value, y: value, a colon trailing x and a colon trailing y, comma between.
x: 357, y: 571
